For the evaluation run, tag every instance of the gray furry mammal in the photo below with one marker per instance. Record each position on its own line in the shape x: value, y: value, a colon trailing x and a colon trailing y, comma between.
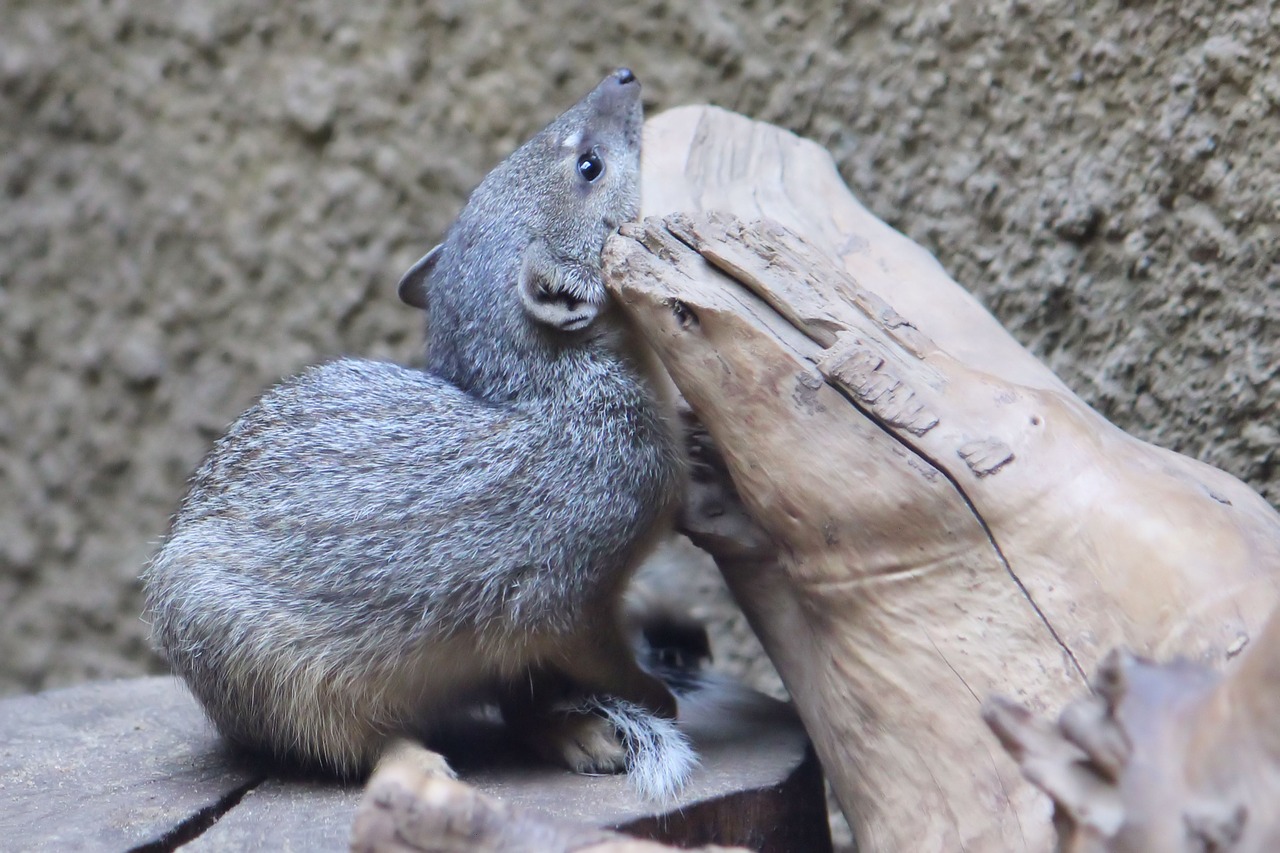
x: 371, y: 548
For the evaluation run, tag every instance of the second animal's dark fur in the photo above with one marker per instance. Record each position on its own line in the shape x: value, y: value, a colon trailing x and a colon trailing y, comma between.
x: 371, y: 548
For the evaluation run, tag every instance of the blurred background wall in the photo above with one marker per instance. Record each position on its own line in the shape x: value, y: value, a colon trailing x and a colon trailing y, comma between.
x: 202, y: 196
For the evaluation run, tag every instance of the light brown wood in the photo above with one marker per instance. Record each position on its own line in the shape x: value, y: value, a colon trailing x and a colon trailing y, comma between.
x: 1162, y: 758
x: 939, y: 518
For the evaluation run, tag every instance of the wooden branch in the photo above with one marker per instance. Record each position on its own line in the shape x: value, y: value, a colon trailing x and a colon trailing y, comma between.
x: 936, y: 517
x: 405, y: 812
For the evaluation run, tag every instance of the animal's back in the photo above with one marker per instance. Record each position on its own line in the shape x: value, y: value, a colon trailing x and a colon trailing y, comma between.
x: 368, y: 540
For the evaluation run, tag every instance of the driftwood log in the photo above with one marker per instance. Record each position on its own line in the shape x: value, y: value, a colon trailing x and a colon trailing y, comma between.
x: 913, y: 512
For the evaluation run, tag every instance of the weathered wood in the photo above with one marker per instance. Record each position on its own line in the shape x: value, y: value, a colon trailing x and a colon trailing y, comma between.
x: 939, y: 518
x: 1168, y: 758
x: 111, y: 766
x: 134, y: 763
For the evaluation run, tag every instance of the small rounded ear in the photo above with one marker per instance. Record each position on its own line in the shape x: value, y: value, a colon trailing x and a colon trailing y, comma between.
x: 561, y: 295
x: 413, y: 284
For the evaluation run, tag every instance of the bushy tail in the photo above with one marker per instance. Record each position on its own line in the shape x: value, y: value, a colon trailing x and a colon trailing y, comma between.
x: 660, y: 758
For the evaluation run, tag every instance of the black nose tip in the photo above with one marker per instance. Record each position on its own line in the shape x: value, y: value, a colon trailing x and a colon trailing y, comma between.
x: 625, y: 76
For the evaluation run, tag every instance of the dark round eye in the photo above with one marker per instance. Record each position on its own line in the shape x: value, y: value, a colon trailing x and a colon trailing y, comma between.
x: 590, y: 166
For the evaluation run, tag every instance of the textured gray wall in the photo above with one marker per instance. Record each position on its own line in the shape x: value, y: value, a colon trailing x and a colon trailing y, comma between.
x: 200, y: 197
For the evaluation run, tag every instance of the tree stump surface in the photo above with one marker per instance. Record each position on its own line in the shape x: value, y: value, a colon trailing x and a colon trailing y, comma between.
x: 135, y: 765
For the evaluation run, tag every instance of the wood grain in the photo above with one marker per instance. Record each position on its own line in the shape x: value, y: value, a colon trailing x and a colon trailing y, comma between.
x: 932, y: 516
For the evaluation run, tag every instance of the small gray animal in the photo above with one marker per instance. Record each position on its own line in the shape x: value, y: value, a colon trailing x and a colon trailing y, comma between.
x: 371, y: 549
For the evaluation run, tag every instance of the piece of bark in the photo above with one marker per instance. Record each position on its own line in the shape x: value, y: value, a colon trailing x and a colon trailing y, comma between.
x: 404, y: 812
x: 1170, y: 758
x: 938, y: 517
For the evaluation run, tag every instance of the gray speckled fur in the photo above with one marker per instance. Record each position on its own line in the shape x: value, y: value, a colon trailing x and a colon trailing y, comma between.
x: 479, y: 335
x: 371, y: 547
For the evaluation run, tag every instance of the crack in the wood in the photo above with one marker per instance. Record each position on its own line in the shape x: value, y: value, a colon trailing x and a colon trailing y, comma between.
x: 982, y: 524
x: 995, y: 771
x: 198, y: 824
x: 954, y: 671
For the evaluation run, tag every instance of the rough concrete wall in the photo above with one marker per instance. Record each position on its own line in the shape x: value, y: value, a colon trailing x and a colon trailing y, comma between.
x: 200, y: 197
